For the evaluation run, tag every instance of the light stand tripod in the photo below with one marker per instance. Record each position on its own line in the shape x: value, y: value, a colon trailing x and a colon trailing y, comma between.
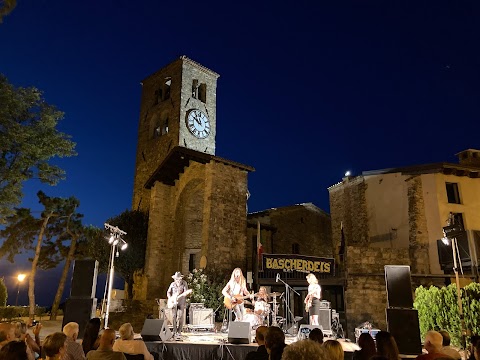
x: 289, y: 317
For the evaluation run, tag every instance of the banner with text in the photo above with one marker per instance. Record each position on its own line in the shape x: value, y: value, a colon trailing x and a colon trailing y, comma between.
x: 298, y: 263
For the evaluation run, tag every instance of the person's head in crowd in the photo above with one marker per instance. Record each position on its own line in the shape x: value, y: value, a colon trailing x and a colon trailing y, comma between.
x: 305, y: 350
x: 316, y: 335
x: 54, y: 345
x: 275, y: 342
x: 367, y: 345
x: 433, y: 342
x: 7, y: 332
x: 71, y: 330
x: 445, y: 337
x: 14, y: 350
x: 20, y: 330
x: 126, y: 331
x: 107, y: 339
x: 260, y: 334
x: 335, y: 349
x: 386, y: 345
x: 90, y: 335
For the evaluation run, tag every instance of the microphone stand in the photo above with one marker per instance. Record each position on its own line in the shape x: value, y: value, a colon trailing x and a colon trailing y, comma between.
x: 288, y: 312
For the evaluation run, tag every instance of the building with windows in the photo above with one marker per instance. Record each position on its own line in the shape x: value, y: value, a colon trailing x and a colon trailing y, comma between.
x: 396, y: 217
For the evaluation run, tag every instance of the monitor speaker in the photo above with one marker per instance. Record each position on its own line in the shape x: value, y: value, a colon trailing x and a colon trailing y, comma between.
x: 239, y: 332
x: 325, y: 319
x: 408, y: 342
x: 79, y: 311
x: 84, y: 279
x: 304, y: 331
x: 399, y: 286
x: 155, y: 330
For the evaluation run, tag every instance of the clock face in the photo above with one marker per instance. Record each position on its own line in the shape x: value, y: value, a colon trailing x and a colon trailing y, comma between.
x: 198, y: 124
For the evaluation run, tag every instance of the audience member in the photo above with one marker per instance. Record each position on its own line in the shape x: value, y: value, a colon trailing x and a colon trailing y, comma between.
x: 74, y: 350
x: 476, y: 351
x: 275, y: 342
x: 473, y: 342
x: 433, y: 345
x: 305, y: 350
x: 386, y: 346
x: 127, y: 344
x: 54, y: 346
x: 33, y: 346
x: 261, y: 352
x: 91, y: 338
x: 447, y: 349
x: 316, y: 335
x: 7, y: 333
x: 105, y: 348
x: 334, y: 349
x: 14, y: 350
x: 367, y: 347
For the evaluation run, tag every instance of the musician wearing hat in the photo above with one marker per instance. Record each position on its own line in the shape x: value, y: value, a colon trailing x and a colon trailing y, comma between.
x: 176, y: 294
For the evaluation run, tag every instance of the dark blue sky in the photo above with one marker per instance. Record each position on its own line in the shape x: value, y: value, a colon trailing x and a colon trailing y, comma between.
x: 306, y: 92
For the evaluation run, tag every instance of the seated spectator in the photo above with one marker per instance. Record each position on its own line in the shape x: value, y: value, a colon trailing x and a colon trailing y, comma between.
x: 126, y: 344
x: 105, y: 348
x: 433, y: 345
x: 306, y: 350
x: 334, y: 349
x: 316, y: 335
x: 447, y: 349
x: 14, y: 350
x: 7, y: 333
x: 386, y: 346
x: 261, y: 352
x: 54, y: 346
x: 367, y: 347
x: 91, y: 338
x: 275, y: 342
x: 473, y: 342
x: 74, y: 350
x: 33, y: 346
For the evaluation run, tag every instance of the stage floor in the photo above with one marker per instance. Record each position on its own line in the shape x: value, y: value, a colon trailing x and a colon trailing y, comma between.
x: 206, y: 345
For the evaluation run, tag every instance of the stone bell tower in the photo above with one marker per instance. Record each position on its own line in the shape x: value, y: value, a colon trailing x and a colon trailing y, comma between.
x: 196, y: 200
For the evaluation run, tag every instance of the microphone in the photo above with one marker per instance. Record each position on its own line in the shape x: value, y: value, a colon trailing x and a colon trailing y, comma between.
x: 278, y: 278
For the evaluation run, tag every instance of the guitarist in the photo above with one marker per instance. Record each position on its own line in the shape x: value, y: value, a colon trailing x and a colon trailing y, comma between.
x: 236, y: 286
x: 177, y: 287
x: 312, y: 300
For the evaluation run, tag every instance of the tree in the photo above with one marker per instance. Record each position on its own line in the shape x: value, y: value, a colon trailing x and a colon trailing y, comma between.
x: 135, y: 224
x: 24, y: 232
x: 29, y: 140
x: 6, y: 7
x: 3, y: 292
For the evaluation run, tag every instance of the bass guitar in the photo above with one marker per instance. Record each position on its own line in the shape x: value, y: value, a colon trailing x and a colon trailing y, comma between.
x: 237, y: 299
x: 173, y: 300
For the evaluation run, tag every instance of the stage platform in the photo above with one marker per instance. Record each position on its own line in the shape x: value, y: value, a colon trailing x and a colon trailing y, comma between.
x: 213, y: 346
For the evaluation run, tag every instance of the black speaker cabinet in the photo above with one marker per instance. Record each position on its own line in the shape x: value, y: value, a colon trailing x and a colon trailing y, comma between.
x: 155, y: 330
x: 404, y: 326
x: 304, y: 331
x: 239, y: 332
x: 79, y: 311
x: 325, y: 320
x: 399, y: 286
x: 84, y: 279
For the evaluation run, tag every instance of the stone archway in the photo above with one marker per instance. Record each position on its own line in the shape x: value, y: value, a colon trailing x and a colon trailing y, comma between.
x: 188, y: 226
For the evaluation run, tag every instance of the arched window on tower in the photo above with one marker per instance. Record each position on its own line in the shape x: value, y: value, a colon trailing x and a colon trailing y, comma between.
x: 202, y: 93
x: 166, y: 87
x: 195, y: 88
x: 165, y: 127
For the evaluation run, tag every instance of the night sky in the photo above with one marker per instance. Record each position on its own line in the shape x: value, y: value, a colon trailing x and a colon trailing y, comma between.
x: 306, y: 91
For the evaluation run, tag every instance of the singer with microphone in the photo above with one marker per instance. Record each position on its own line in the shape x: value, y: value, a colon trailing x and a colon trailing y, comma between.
x: 312, y: 300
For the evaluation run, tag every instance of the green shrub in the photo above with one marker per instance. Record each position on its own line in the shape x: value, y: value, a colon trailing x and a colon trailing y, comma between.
x: 3, y: 292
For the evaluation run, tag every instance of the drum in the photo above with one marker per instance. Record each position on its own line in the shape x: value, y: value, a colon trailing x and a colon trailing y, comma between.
x: 253, y: 319
x: 261, y: 307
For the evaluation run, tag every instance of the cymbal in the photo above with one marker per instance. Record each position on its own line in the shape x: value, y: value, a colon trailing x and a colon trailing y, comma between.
x: 275, y: 294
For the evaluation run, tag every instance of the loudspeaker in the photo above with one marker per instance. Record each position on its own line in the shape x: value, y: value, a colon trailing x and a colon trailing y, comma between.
x: 239, y: 332
x: 155, y: 330
x: 79, y: 311
x: 399, y: 286
x: 325, y: 319
x: 304, y: 331
x: 404, y: 326
x: 84, y: 279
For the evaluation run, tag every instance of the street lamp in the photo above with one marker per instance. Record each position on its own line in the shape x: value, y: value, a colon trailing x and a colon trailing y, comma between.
x: 20, y: 278
x: 115, y: 242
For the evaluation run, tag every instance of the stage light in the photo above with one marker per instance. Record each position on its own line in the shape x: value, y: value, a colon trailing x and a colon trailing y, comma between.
x: 110, y: 240
x: 348, y: 173
x: 124, y: 246
x: 446, y: 240
x: 115, y: 242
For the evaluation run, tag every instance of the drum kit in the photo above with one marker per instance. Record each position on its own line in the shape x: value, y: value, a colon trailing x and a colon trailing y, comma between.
x: 262, y: 310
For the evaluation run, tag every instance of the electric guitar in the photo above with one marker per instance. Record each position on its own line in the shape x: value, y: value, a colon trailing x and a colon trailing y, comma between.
x: 173, y: 300
x: 237, y: 299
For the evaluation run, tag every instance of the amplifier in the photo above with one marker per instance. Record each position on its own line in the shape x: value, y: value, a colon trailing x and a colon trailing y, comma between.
x: 167, y: 315
x: 202, y: 318
x: 324, y: 304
